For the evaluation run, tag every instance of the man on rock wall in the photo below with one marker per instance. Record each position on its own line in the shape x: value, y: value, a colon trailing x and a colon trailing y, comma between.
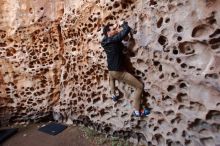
x: 113, y: 46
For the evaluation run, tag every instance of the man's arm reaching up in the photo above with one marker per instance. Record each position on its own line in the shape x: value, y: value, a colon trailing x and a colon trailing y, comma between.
x: 122, y: 34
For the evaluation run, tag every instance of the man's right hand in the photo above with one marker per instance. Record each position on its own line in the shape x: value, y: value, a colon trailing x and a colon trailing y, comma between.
x: 121, y: 23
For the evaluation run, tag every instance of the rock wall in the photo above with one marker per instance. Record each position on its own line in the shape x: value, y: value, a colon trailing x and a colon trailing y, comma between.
x: 30, y: 58
x: 53, y: 62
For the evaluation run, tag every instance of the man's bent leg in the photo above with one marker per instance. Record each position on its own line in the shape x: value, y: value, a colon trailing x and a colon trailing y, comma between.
x: 112, y: 84
x: 131, y: 80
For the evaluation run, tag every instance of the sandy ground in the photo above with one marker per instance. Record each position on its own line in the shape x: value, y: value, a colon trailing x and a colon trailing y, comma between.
x: 30, y: 136
x: 72, y: 136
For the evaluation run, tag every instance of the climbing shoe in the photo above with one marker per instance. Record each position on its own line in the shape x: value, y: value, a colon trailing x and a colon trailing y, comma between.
x: 135, y: 114
x: 143, y: 113
x: 115, y: 98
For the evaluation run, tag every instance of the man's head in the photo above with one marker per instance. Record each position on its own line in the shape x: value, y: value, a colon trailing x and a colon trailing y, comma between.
x: 110, y: 30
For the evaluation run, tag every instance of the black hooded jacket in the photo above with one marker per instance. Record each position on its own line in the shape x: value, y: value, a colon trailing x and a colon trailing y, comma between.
x: 113, y: 47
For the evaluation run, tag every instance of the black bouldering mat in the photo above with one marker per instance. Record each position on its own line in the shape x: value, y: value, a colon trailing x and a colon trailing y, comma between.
x: 53, y: 128
x: 6, y: 133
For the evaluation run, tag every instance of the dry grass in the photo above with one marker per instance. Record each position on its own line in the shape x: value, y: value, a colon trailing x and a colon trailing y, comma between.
x: 102, y: 140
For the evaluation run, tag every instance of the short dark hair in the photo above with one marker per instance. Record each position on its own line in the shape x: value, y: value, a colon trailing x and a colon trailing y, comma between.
x: 106, y: 29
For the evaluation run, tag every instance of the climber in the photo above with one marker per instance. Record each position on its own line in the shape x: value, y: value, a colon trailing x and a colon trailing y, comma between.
x: 112, y: 44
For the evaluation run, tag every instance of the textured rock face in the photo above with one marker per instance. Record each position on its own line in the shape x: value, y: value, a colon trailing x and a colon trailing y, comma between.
x: 55, y: 63
x: 30, y: 58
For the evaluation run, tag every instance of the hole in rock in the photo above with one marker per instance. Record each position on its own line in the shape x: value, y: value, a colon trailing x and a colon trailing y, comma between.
x: 178, y: 60
x: 216, y: 46
x: 213, y: 76
x: 181, y: 97
x: 166, y: 98
x: 174, y: 75
x: 174, y: 130
x: 116, y: 5
x: 200, y: 30
x: 197, y: 125
x: 102, y: 112
x: 96, y: 100
x: 89, y: 100
x: 159, y: 22
x: 217, y: 32
x: 3, y: 44
x: 179, y: 28
x: 161, y: 76
x: 175, y: 51
x: 182, y: 107
x: 177, y: 119
x: 211, y: 20
x: 183, y: 133
x: 153, y: 2
x: 192, y: 67
x: 160, y: 68
x: 156, y: 63
x: 167, y: 20
x: 183, y: 65
x: 186, y: 48
x: 124, y: 5
x: 162, y: 40
x: 110, y: 8
x: 30, y: 10
x: 169, y: 142
x: 168, y: 133
x: 110, y: 17
x: 170, y: 88
x: 214, y: 40
x: 179, y: 38
x: 207, y: 141
x: 169, y: 113
x: 159, y: 138
x: 155, y: 128
x: 182, y: 85
x: 213, y: 115
x: 196, y: 106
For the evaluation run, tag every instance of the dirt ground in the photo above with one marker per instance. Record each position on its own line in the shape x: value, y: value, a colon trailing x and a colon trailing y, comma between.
x: 72, y: 136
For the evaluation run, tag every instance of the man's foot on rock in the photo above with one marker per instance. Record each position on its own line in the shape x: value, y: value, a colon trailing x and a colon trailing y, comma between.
x: 115, y: 98
x: 136, y: 114
x: 143, y: 113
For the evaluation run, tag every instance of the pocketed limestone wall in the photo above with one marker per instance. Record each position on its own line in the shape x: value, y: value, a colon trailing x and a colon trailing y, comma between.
x: 56, y: 65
